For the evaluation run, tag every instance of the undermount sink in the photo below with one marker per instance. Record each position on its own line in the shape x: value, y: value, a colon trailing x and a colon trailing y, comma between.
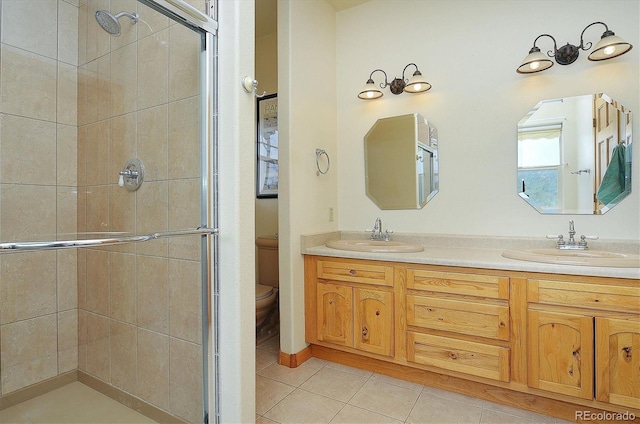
x: 377, y: 246
x: 576, y: 257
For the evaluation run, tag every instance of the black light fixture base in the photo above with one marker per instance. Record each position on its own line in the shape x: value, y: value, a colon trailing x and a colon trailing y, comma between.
x: 397, y: 86
x: 567, y: 54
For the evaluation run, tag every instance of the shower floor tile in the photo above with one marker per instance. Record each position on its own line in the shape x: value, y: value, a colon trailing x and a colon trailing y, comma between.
x: 73, y: 403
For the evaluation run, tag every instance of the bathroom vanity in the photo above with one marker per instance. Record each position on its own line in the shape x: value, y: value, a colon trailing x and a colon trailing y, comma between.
x: 549, y: 338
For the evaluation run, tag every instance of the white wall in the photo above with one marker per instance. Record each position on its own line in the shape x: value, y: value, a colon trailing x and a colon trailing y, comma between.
x: 469, y: 50
x: 236, y: 135
x: 306, y: 121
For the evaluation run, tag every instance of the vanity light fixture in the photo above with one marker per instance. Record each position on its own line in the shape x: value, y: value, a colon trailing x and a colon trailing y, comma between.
x: 416, y: 84
x: 609, y: 46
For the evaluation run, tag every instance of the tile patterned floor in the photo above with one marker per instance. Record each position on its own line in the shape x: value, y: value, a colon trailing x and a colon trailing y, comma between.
x: 73, y: 403
x: 319, y: 391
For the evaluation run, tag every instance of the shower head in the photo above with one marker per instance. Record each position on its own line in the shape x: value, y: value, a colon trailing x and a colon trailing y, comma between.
x: 110, y: 23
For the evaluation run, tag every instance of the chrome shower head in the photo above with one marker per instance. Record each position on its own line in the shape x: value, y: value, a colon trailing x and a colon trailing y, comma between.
x: 110, y: 23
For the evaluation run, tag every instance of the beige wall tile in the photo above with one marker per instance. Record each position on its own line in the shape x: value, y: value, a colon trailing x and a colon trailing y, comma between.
x: 83, y: 21
x: 67, y: 211
x: 67, y: 155
x: 84, y: 80
x: 98, y: 347
x: 124, y: 366
x: 186, y: 380
x: 29, y: 352
x: 155, y: 20
x: 97, y: 286
x: 67, y: 101
x: 122, y: 146
x: 122, y: 217
x: 97, y: 153
x: 67, y: 340
x: 28, y: 84
x: 67, y: 279
x: 153, y: 293
x: 123, y: 287
x: 153, y: 70
x: 152, y: 216
x: 97, y: 212
x: 124, y: 76
x: 82, y: 339
x: 184, y: 67
x: 27, y: 286
x: 82, y: 278
x: 153, y: 142
x: 68, y: 32
x: 31, y: 26
x: 27, y: 211
x: 184, y: 212
x: 184, y: 138
x: 185, y: 294
x: 28, y: 151
x: 153, y: 368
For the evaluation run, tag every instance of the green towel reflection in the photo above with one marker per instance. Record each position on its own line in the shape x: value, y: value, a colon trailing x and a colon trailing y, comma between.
x: 613, y: 183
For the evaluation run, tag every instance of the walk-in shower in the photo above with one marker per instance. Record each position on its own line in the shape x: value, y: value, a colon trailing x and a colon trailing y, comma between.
x: 109, y: 22
x: 99, y: 283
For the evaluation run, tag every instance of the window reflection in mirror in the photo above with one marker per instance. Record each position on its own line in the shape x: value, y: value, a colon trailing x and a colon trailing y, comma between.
x: 401, y: 162
x: 574, y: 155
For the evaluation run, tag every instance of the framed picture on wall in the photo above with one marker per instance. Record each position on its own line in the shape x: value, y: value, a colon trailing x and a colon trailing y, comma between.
x: 267, y: 147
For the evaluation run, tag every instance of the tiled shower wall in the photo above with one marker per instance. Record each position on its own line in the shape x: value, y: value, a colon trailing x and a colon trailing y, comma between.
x: 38, y: 138
x: 140, y: 304
x: 129, y: 315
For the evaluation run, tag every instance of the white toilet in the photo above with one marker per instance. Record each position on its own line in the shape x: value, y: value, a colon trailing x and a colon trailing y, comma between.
x: 267, y: 317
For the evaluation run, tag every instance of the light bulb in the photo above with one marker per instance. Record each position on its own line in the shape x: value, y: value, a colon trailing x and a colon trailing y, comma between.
x: 609, y: 50
x: 370, y: 94
x: 534, y: 65
x: 418, y: 87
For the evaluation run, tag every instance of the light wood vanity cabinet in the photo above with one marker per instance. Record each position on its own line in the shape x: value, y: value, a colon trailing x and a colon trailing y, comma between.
x: 354, y: 306
x: 563, y: 338
x: 581, y: 334
x: 457, y: 321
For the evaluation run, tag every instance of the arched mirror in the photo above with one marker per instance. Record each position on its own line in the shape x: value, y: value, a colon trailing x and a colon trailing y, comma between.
x: 574, y: 155
x: 401, y: 162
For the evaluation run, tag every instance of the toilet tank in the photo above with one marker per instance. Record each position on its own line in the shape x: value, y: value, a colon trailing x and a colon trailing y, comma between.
x: 268, y: 270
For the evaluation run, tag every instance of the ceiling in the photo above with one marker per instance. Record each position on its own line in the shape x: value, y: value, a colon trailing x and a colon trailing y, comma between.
x: 267, y: 17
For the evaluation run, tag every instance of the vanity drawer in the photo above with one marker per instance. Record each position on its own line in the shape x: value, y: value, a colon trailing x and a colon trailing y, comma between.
x: 485, y: 319
x: 458, y: 283
x: 472, y: 358
x: 584, y: 295
x: 356, y: 272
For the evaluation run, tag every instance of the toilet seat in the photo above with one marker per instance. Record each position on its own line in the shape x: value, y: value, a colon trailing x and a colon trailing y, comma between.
x: 262, y: 291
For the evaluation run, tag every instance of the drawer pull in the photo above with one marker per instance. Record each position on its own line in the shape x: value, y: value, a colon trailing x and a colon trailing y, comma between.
x: 377, y: 313
x: 627, y: 353
x: 353, y: 272
x: 453, y: 356
x: 365, y: 333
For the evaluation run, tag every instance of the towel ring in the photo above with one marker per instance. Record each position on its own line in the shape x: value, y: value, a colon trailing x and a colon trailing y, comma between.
x: 320, y: 152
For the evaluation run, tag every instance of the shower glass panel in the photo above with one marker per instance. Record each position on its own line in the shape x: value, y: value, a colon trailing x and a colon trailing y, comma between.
x: 84, y: 88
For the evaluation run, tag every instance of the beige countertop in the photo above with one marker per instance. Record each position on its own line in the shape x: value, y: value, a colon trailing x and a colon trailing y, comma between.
x: 472, y: 252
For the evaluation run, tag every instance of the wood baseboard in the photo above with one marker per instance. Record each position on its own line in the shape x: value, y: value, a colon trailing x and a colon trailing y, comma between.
x: 293, y: 360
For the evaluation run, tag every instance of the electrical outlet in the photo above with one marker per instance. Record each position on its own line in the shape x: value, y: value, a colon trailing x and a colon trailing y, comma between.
x: 330, y: 214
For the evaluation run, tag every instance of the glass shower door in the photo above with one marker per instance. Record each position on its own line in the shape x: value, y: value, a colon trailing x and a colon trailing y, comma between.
x: 86, y: 86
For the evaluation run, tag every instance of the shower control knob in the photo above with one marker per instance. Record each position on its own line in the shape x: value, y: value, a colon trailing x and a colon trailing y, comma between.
x: 132, y: 175
x: 121, y: 181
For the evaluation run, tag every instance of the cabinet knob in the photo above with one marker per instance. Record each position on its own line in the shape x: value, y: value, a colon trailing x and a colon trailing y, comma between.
x: 627, y: 353
x: 353, y: 272
x: 453, y: 355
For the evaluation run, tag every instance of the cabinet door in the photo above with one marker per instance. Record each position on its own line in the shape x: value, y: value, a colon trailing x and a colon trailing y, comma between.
x: 561, y: 353
x: 618, y: 361
x: 373, y: 321
x: 334, y: 314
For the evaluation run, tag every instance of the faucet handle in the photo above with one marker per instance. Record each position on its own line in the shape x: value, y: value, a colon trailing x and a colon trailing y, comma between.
x: 560, y: 238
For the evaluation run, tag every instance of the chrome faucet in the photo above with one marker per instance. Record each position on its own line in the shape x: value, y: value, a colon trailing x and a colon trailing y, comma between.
x: 571, y: 243
x: 376, y: 231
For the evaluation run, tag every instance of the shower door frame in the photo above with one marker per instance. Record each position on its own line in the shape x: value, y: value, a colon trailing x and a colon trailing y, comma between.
x: 207, y: 26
